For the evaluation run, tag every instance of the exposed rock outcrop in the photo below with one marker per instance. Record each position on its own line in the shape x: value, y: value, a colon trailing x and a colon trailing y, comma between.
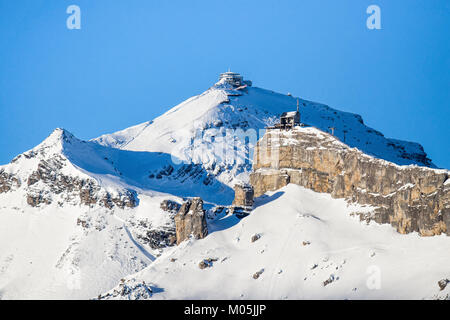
x: 443, y: 283
x: 48, y: 182
x: 8, y: 181
x: 243, y: 199
x: 255, y: 237
x: 243, y: 195
x: 128, y: 290
x: 158, y: 238
x: 53, y: 182
x: 257, y: 274
x: 191, y: 220
x: 170, y: 206
x: 207, y: 263
x: 410, y: 198
x: 186, y: 171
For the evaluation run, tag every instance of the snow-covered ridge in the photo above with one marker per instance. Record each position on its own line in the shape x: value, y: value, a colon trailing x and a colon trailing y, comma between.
x: 68, y: 171
x: 111, y: 172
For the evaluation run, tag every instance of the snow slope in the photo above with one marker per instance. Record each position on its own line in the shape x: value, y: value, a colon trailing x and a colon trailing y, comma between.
x: 310, y: 247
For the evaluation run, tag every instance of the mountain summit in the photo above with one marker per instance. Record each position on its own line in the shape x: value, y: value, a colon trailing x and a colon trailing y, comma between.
x: 233, y: 103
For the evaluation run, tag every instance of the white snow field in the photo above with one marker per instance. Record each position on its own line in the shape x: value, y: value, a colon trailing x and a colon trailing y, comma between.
x: 58, y: 243
x: 306, y: 238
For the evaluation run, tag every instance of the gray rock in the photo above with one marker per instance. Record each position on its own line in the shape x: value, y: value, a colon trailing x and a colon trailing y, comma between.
x: 243, y: 200
x: 243, y: 195
x: 170, y: 206
x: 207, y: 263
x: 191, y: 220
x: 8, y: 181
x: 256, y: 237
x: 329, y: 280
x: 443, y: 283
x: 258, y: 273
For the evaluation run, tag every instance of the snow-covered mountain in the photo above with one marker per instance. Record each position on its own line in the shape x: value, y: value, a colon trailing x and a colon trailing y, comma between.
x: 69, y: 223
x: 78, y: 216
x: 201, y: 130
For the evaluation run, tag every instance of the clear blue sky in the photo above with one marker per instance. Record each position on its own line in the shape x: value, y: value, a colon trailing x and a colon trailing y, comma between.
x: 133, y: 59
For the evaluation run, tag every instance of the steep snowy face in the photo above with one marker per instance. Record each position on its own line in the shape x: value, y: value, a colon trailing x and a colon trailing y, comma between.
x: 218, y: 130
x: 199, y: 131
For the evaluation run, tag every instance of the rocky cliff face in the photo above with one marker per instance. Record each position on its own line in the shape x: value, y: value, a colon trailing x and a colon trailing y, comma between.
x: 410, y: 198
x: 191, y: 220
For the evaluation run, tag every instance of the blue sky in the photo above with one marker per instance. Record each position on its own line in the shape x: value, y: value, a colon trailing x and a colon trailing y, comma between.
x: 134, y: 59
